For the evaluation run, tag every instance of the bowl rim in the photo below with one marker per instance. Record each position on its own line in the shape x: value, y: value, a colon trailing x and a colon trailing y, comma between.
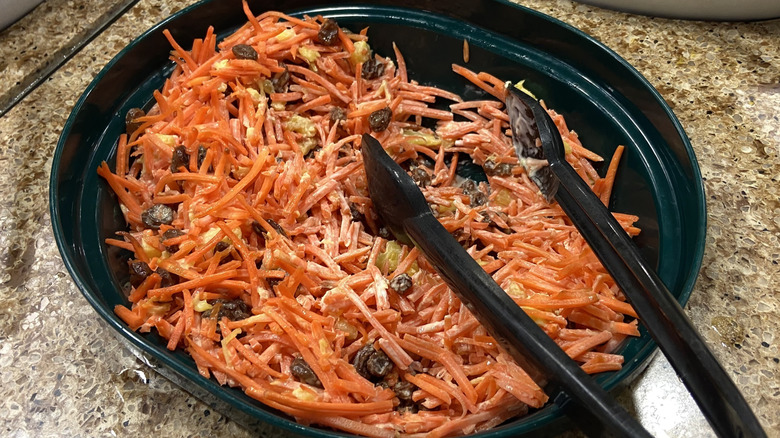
x: 689, y: 10
x: 137, y: 342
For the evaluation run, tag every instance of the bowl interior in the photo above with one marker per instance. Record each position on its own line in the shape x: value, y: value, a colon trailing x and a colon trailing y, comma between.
x: 603, y: 99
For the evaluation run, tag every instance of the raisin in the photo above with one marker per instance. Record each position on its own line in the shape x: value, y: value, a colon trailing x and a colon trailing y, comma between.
x: 281, y: 80
x: 357, y: 216
x: 504, y: 169
x: 180, y: 158
x: 425, y: 161
x: 201, y: 155
x: 221, y: 246
x: 170, y: 234
x: 378, y: 364
x: 468, y: 187
x: 131, y: 119
x: 379, y: 120
x: 497, y: 169
x: 138, y: 272
x: 244, y: 51
x: 404, y: 390
x: 421, y: 176
x: 260, y: 231
x: 412, y: 408
x: 361, y: 359
x: 476, y: 196
x: 303, y: 372
x: 329, y: 32
x: 234, y: 310
x: 157, y: 215
x: 372, y: 69
x: 167, y: 279
x: 409, y: 406
x: 337, y: 113
x: 401, y: 283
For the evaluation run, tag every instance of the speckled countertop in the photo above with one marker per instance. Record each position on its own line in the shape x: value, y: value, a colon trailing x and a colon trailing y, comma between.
x: 63, y: 374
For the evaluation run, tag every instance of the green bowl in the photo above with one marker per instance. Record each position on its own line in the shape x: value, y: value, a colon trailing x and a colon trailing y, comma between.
x: 603, y: 98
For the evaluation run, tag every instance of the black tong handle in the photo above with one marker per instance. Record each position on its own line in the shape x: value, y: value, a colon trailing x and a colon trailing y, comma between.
x: 714, y: 392
x: 518, y: 334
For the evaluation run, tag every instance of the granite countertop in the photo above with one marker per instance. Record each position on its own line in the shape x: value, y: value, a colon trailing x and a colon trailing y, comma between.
x: 62, y: 373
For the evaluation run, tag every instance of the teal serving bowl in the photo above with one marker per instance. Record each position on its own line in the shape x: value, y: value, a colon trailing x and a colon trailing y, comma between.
x: 602, y: 97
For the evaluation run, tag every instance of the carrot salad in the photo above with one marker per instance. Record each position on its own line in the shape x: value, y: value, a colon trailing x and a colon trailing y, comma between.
x: 256, y: 249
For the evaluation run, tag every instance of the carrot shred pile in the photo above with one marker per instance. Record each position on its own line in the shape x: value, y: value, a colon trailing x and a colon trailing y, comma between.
x: 257, y: 250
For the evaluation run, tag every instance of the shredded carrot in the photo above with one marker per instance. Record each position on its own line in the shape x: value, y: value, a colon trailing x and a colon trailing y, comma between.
x: 474, y: 78
x: 131, y: 318
x: 261, y: 254
x: 348, y: 46
x: 120, y: 243
x: 149, y: 283
x: 609, y: 179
